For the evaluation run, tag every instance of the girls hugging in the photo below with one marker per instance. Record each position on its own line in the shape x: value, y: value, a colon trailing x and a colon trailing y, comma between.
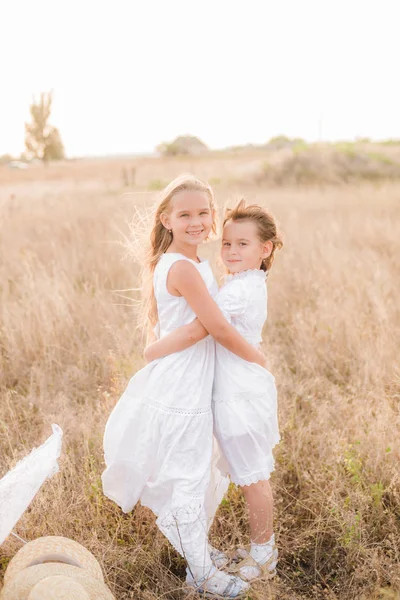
x: 206, y: 377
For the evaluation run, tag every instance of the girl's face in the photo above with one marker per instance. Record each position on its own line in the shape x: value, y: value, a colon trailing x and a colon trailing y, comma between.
x: 242, y: 249
x: 190, y: 218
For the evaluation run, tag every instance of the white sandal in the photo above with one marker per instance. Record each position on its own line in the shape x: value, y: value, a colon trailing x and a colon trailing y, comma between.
x: 219, y: 558
x: 219, y: 585
x: 256, y: 570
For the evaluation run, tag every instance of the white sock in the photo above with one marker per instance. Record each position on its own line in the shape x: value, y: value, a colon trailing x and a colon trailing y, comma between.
x: 263, y: 552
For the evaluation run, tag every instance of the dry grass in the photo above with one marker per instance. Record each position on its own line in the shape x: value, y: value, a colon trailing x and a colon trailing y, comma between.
x: 68, y: 345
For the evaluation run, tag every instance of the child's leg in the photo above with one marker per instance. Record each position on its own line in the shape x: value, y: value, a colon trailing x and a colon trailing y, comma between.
x: 201, y: 573
x: 260, y: 502
x: 261, y: 506
x: 186, y: 529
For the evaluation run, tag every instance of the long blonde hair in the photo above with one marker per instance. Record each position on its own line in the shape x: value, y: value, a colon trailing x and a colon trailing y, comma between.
x: 266, y: 226
x: 161, y: 238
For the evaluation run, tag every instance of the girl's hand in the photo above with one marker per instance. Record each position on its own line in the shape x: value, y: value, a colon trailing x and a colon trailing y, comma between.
x: 176, y: 341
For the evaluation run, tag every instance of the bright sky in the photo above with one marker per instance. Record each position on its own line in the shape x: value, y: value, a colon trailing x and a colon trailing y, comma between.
x: 128, y: 74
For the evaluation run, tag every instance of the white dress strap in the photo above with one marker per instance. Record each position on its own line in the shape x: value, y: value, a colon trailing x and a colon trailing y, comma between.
x: 162, y: 269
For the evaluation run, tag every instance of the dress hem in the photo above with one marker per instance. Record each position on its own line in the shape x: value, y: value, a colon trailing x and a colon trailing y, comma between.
x: 255, y: 477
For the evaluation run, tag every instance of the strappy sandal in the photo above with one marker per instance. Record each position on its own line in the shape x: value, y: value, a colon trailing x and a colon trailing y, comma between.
x: 219, y: 558
x: 235, y: 587
x: 267, y: 570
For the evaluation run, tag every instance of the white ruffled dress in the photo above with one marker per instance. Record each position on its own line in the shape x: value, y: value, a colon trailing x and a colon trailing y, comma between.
x: 158, y: 440
x: 244, y: 394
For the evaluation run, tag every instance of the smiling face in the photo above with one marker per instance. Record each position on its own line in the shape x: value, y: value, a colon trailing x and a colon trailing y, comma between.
x: 190, y: 218
x: 242, y: 248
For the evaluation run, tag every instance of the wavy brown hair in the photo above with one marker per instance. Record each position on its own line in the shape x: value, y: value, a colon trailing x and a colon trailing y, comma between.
x: 161, y: 238
x: 265, y: 222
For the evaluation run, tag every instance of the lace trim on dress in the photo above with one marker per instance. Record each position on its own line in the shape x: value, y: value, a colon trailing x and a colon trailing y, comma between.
x: 246, y: 273
x: 254, y: 477
x: 177, y: 410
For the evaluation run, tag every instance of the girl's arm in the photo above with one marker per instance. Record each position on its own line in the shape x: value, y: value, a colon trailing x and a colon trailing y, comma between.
x: 185, y: 280
x: 177, y: 340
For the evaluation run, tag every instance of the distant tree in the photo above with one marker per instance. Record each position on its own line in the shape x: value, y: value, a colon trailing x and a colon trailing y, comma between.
x: 54, y: 149
x: 42, y: 140
x: 282, y: 141
x: 279, y: 141
x: 183, y: 144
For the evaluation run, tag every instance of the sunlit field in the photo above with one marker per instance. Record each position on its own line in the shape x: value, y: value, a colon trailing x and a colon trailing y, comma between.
x: 69, y: 342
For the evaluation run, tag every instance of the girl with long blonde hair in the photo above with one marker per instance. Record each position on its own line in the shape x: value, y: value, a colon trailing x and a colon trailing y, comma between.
x: 158, y: 439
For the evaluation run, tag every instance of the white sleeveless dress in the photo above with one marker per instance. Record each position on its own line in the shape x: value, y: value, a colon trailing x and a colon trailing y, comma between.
x: 158, y: 439
x: 244, y: 394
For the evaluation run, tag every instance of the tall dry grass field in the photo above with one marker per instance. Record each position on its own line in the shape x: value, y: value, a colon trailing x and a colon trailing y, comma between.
x: 69, y: 343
